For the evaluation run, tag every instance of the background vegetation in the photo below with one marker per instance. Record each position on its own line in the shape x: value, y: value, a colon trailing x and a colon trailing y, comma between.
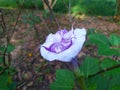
x: 89, y: 7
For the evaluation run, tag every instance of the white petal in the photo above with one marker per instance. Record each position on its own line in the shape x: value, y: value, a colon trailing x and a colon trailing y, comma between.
x: 52, y: 38
x: 73, y: 51
x: 70, y: 53
x: 49, y: 40
x: 57, y: 37
x: 68, y: 34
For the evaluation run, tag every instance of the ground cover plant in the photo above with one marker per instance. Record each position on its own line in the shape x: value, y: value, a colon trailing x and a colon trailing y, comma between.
x: 26, y: 50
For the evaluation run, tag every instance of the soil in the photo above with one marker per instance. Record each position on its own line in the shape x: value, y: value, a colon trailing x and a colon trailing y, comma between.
x: 32, y: 71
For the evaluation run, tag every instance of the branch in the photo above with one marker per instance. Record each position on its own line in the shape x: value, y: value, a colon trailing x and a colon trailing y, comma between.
x: 3, y: 70
x: 105, y: 70
x: 3, y: 22
x: 46, y: 26
x: 47, y: 3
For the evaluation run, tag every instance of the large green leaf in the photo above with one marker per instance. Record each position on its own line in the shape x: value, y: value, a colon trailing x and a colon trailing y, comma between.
x: 114, y: 40
x: 3, y: 82
x: 99, y: 39
x: 115, y: 87
x: 107, y: 62
x: 106, y: 50
x: 113, y: 72
x: 1, y: 59
x: 2, y: 48
x: 115, y: 82
x: 12, y: 86
x: 92, y: 86
x: 10, y: 48
x: 89, y: 66
x: 100, y: 82
x: 64, y: 80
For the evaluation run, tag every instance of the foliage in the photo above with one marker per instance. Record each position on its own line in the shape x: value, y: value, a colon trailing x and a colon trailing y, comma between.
x: 89, y: 66
x: 64, y: 80
x: 95, y: 7
x: 6, y: 72
x: 89, y: 7
x: 8, y: 3
x: 6, y: 82
x: 100, y: 73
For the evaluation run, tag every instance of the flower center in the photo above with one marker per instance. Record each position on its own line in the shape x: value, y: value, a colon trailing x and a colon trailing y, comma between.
x: 60, y: 46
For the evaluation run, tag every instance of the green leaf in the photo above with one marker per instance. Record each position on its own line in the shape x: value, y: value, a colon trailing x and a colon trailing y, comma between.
x: 100, y: 82
x: 2, y: 48
x: 10, y: 48
x: 106, y: 50
x: 114, y: 40
x: 115, y: 82
x: 12, y: 86
x: 92, y: 86
x: 115, y: 87
x: 1, y: 59
x: 64, y: 80
x: 113, y: 72
x: 99, y: 39
x: 89, y: 66
x: 3, y: 82
x: 107, y: 62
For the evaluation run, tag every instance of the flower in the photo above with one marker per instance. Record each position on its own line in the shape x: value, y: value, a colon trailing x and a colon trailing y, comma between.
x: 63, y: 45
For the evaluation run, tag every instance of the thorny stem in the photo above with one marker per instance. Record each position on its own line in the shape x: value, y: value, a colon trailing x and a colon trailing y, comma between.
x: 47, y: 3
x: 77, y: 73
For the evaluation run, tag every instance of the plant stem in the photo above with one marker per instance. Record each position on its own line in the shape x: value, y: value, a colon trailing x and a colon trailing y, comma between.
x: 80, y: 79
x: 78, y: 75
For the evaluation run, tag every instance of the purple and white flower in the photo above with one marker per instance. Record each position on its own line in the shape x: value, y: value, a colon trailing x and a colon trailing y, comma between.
x: 63, y: 45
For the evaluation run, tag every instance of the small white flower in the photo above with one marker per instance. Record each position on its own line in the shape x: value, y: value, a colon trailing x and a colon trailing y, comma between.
x: 63, y: 45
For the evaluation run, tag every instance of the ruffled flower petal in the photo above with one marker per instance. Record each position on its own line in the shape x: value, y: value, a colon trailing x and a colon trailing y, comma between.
x: 67, y: 46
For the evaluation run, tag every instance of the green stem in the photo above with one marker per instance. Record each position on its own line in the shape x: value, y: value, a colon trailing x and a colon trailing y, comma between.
x: 80, y: 80
x: 78, y: 75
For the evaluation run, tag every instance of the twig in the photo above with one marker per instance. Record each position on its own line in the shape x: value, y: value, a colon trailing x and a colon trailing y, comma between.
x: 46, y: 26
x: 7, y: 42
x: 18, y: 16
x: 4, y: 55
x: 3, y: 22
x: 53, y: 3
x: 65, y: 4
x: 19, y: 13
x: 105, y: 70
x: 69, y: 11
x: 3, y: 70
x: 25, y: 82
x: 46, y: 2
